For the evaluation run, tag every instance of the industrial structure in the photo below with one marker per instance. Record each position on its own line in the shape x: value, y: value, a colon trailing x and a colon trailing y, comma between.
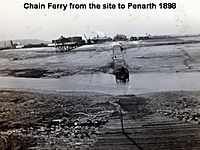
x: 120, y: 70
x: 97, y: 40
x: 120, y: 37
x: 64, y: 44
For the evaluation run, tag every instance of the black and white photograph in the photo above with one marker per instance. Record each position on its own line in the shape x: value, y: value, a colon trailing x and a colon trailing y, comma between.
x: 100, y: 75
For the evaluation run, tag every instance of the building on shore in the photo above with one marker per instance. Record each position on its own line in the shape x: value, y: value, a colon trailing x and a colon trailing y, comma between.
x: 64, y: 44
x: 120, y: 37
x: 98, y: 39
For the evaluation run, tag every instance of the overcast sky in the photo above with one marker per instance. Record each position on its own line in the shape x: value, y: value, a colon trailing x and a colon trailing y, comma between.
x: 19, y: 23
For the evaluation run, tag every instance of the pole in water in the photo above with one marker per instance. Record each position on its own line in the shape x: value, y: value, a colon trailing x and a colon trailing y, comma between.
x: 122, y: 123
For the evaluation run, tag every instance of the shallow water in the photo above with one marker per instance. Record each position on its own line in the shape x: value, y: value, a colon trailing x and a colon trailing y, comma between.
x: 105, y: 83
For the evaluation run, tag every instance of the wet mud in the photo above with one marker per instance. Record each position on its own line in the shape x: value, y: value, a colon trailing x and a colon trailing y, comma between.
x: 38, y: 120
x: 160, y: 56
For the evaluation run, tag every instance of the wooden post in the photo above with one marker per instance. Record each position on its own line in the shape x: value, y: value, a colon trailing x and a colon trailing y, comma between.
x: 122, y: 122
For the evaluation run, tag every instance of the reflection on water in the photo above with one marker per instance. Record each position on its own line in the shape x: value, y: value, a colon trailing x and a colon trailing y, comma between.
x: 105, y: 83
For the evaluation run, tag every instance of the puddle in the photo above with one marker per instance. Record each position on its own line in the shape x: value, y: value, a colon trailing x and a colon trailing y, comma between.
x: 26, y: 73
x: 105, y: 83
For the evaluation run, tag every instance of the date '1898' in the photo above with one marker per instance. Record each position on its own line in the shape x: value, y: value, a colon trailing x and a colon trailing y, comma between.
x: 167, y: 5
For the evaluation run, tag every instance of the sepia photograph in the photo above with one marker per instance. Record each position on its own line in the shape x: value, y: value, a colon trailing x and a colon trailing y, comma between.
x: 100, y: 75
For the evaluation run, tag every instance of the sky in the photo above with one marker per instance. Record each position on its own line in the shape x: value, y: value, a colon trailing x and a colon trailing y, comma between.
x: 19, y: 23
